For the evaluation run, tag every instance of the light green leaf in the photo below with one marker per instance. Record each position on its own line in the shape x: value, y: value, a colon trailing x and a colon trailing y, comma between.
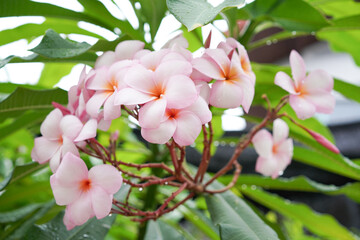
x: 320, y: 224
x: 19, y: 172
x: 23, y: 99
x: 54, y: 46
x: 53, y: 72
x: 55, y: 229
x: 348, y: 90
x: 159, y: 230
x: 195, y: 14
x: 236, y: 220
x: 337, y: 9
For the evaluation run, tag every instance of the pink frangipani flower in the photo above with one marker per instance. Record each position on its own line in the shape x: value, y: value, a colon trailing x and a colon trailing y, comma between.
x: 85, y: 193
x: 308, y: 94
x: 275, y: 151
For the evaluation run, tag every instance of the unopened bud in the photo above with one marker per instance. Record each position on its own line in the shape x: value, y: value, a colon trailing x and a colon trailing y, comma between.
x: 323, y: 141
x: 63, y: 109
x: 114, y: 136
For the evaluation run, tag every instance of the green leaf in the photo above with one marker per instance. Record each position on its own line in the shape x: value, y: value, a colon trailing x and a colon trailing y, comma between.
x: 54, y: 46
x: 19, y: 229
x: 346, y: 23
x: 337, y: 9
x: 320, y: 224
x: 301, y: 183
x: 55, y: 229
x: 347, y: 89
x: 194, y: 14
x: 159, y: 230
x: 19, y: 172
x: 10, y: 87
x: 23, y: 99
x: 17, y: 214
x: 236, y: 220
x: 53, y: 72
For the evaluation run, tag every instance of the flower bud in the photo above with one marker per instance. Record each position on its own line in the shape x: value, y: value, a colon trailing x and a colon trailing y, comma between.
x: 323, y: 141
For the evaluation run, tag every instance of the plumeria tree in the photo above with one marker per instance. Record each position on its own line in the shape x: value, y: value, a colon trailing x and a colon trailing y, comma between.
x: 109, y: 158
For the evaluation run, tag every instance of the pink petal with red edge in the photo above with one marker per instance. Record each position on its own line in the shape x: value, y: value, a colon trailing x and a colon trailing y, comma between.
x: 71, y: 171
x: 70, y: 126
x: 318, y: 80
x: 151, y: 114
x: 111, y: 111
x: 101, y: 202
x: 280, y: 131
x: 81, y: 210
x: 263, y: 143
x: 285, y: 82
x: 323, y: 141
x: 180, y: 92
x: 50, y: 128
x: 297, y: 65
x: 208, y: 67
x: 323, y: 101
x: 140, y: 79
x: 161, y: 134
x: 88, y: 131
x: 188, y: 128
x: 220, y: 58
x: 127, y: 49
x: 106, y: 59
x: 44, y: 149
x: 170, y: 68
x: 99, y: 81
x: 303, y: 108
x: 95, y: 102
x: 267, y: 166
x: 106, y: 177
x: 201, y: 109
x: 63, y: 195
x: 130, y: 96
x: 226, y: 94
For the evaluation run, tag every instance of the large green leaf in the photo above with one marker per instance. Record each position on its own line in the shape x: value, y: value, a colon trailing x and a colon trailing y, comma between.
x: 301, y: 183
x: 320, y: 224
x: 159, y: 230
x: 55, y: 229
x: 17, y: 214
x: 53, y: 72
x: 19, y: 172
x: 54, y: 46
x: 194, y: 14
x: 337, y: 9
x: 23, y: 99
x: 31, y: 30
x: 295, y: 15
x: 348, y: 90
x: 236, y: 220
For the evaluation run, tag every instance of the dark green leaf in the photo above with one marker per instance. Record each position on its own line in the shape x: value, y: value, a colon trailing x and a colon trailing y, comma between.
x: 320, y: 224
x: 54, y: 46
x: 17, y: 214
x: 19, y: 172
x: 194, y: 14
x: 55, y: 229
x: 159, y: 230
x: 235, y: 218
x: 23, y: 99
x: 348, y: 90
x: 301, y: 183
x: 153, y: 12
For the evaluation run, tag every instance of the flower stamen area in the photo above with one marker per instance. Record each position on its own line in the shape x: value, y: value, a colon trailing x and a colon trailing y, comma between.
x: 85, y: 185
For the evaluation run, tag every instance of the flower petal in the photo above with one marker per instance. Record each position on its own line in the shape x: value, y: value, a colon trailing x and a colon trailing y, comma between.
x: 54, y: 162
x: 226, y: 94
x: 67, y: 220
x: 285, y: 82
x: 303, y: 108
x: 170, y: 68
x: 267, y: 166
x: 95, y: 102
x: 63, y: 195
x: 161, y: 134
x: 180, y: 92
x: 71, y: 171
x: 220, y: 58
x: 81, y: 210
x: 101, y: 202
x: 100, y: 80
x: 106, y: 59
x: 127, y: 49
x: 70, y: 126
x: 88, y: 131
x: 130, y: 96
x: 50, y: 128
x: 188, y: 128
x: 318, y: 80
x: 298, y: 69
x: 151, y: 114
x: 280, y: 131
x: 248, y: 91
x: 106, y: 177
x: 201, y: 110
x: 263, y: 143
x: 208, y: 68
x: 140, y: 79
x: 44, y: 149
x: 323, y: 101
x: 111, y: 111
